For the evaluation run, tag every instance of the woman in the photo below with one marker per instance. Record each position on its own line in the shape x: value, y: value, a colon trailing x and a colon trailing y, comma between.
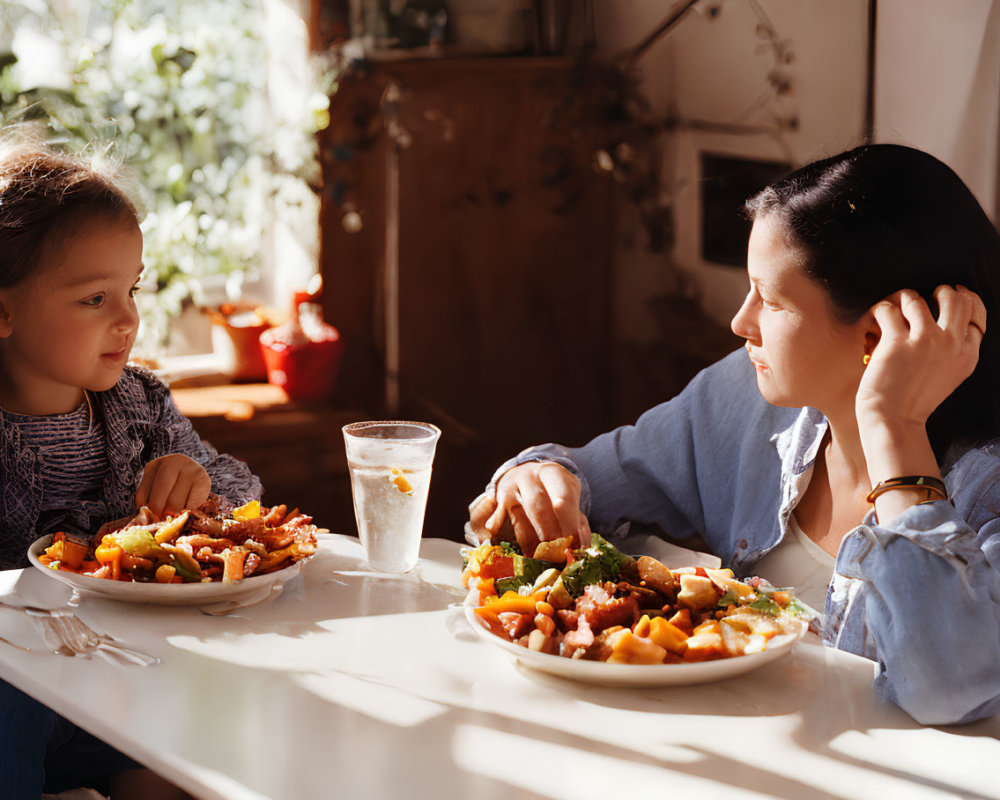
x: 865, y: 457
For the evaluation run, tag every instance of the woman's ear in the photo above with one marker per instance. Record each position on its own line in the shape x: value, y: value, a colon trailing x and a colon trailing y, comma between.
x: 872, y: 333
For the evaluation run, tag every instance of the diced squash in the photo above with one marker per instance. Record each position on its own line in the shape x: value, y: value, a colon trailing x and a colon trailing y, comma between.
x: 667, y: 635
x: 641, y: 628
x: 682, y: 619
x: 627, y: 648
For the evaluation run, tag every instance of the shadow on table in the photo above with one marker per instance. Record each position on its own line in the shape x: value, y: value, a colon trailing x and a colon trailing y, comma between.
x: 438, y: 717
x: 452, y: 750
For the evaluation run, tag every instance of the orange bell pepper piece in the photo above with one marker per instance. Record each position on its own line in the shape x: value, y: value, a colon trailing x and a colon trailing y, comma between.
x: 110, y: 554
x: 512, y: 601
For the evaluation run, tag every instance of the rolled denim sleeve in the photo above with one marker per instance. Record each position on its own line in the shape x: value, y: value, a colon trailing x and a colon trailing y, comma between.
x: 931, y: 598
x: 701, y: 463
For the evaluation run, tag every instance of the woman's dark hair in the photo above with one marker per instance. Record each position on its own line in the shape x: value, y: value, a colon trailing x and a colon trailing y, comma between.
x: 885, y: 217
x: 46, y: 195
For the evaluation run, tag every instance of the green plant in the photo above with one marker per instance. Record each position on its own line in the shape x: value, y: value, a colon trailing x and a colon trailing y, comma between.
x: 180, y: 89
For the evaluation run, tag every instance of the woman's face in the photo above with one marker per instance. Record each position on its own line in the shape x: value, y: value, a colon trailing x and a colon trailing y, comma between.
x: 803, y: 356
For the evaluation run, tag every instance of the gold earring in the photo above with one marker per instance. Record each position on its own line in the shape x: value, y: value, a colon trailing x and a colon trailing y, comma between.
x: 865, y: 359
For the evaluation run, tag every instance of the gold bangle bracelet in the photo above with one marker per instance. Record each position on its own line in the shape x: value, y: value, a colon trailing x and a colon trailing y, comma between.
x: 933, y: 486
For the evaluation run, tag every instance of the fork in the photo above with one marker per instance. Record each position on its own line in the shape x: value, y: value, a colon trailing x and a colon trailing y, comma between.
x: 73, y: 636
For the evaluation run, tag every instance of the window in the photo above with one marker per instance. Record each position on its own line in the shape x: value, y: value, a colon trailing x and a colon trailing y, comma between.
x: 215, y: 105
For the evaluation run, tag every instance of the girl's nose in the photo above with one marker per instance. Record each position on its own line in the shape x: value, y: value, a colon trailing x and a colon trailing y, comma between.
x: 129, y: 319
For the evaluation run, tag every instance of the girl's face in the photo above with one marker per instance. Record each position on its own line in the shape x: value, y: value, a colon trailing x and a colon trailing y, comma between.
x: 802, y: 354
x: 72, y: 325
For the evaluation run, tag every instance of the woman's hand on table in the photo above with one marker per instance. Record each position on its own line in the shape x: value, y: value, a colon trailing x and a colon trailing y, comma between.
x: 539, y: 500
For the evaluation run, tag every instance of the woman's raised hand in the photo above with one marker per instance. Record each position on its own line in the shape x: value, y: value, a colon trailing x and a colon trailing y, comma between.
x: 918, y: 360
x: 541, y: 500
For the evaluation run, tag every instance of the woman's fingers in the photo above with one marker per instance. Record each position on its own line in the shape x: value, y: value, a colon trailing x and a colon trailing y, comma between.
x: 524, y: 531
x: 977, y: 310
x: 482, y: 511
x: 534, y: 498
x: 542, y: 502
x: 890, y: 319
x: 954, y: 310
x: 564, y: 497
x: 915, y: 312
x: 919, y: 359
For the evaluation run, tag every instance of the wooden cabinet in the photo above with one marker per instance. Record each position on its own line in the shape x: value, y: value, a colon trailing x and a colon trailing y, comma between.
x: 505, y: 237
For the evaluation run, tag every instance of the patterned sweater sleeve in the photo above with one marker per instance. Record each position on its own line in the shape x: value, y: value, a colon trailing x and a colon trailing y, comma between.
x: 232, y: 479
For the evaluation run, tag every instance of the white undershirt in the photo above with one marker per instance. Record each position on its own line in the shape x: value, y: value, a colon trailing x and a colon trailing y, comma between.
x: 800, y: 564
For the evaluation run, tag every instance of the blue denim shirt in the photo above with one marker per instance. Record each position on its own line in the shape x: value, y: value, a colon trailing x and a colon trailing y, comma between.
x: 919, y: 595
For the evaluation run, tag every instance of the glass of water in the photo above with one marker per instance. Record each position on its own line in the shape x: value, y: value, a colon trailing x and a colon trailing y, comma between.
x: 390, y: 464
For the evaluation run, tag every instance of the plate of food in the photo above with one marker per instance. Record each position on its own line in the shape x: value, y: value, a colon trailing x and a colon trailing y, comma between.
x: 599, y: 616
x: 195, y: 557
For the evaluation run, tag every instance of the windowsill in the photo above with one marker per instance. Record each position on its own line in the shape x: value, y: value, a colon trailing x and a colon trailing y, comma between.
x: 200, y: 368
x: 237, y: 402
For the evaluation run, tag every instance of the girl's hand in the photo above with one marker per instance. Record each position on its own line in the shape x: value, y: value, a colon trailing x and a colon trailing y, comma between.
x: 918, y: 361
x: 542, y: 502
x: 173, y: 483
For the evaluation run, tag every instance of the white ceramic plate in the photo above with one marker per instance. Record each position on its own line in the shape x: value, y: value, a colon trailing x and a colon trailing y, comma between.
x: 170, y: 594
x: 638, y: 675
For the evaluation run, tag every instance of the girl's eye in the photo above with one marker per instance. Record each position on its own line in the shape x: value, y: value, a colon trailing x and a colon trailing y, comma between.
x: 770, y: 306
x: 95, y: 301
x: 134, y: 289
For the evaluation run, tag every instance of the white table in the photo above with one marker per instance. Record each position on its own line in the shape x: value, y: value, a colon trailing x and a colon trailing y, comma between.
x: 356, y: 685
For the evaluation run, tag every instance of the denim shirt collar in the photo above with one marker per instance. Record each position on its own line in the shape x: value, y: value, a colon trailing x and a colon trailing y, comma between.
x: 797, y: 446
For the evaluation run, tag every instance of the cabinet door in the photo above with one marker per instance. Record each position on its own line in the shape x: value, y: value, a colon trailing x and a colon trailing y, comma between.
x: 505, y: 240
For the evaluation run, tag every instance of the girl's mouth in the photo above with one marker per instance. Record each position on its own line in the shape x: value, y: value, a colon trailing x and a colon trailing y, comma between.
x: 117, y: 355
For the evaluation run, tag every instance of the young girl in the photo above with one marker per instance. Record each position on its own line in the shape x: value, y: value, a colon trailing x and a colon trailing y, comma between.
x: 854, y: 446
x: 85, y: 438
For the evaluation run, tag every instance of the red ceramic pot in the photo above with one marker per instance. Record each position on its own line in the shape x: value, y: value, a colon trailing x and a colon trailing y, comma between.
x: 303, y: 358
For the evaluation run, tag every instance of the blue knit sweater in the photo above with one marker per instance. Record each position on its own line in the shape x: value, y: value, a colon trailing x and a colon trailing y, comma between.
x: 141, y: 423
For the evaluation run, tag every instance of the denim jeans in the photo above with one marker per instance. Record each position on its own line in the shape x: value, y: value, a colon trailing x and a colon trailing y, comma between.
x: 41, y: 751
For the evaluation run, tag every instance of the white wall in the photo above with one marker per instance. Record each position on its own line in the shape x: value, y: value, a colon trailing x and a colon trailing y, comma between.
x: 937, y: 75
x: 937, y: 87
x: 715, y: 68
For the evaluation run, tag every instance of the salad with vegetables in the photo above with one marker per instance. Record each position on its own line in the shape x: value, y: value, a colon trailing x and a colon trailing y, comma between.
x: 600, y: 604
x: 196, y: 546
